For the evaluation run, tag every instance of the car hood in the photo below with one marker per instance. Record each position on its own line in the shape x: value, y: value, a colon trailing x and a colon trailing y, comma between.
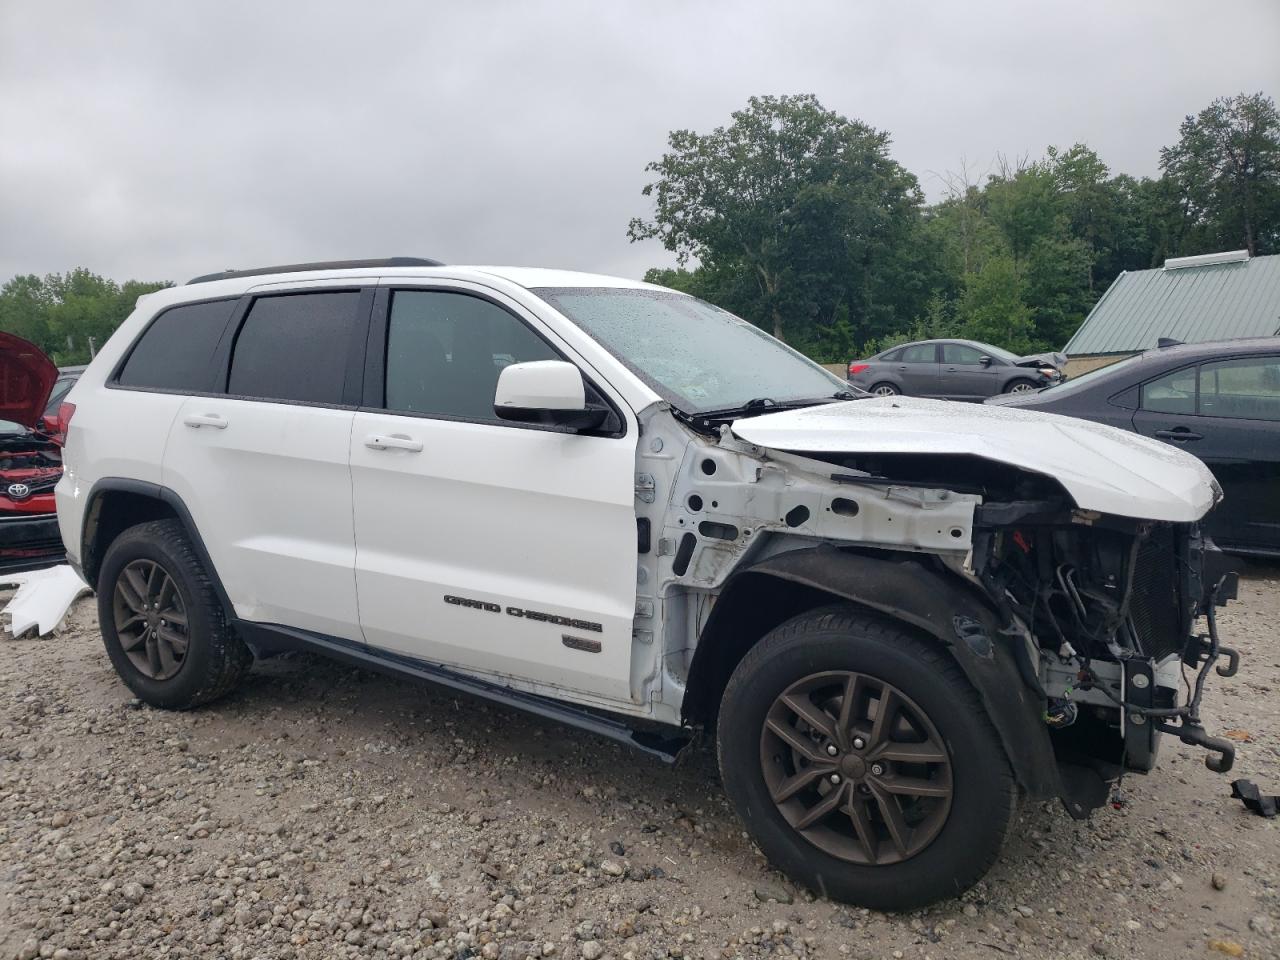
x: 26, y: 379
x: 1055, y: 360
x: 1102, y: 468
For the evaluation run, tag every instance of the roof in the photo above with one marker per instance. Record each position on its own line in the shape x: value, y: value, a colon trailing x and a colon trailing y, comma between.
x: 1193, y: 299
x: 238, y: 282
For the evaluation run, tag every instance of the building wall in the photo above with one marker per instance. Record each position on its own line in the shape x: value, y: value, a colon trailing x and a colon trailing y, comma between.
x: 1085, y: 362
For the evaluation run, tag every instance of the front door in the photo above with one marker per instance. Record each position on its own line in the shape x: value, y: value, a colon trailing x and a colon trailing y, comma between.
x: 963, y: 375
x: 1227, y: 413
x: 499, y: 548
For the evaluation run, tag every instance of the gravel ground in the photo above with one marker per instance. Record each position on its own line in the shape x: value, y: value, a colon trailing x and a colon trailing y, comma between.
x: 326, y: 812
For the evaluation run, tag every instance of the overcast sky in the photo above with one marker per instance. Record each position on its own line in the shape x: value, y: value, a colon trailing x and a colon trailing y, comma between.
x: 161, y: 140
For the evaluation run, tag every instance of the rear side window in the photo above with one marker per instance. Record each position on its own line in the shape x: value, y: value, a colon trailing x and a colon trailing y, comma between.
x: 1173, y: 393
x: 891, y: 357
x: 176, y: 351
x: 294, y: 347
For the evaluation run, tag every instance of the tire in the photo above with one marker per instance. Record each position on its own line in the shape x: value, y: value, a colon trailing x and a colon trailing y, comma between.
x: 214, y: 658
x: 1021, y: 385
x: 885, y: 389
x: 961, y: 834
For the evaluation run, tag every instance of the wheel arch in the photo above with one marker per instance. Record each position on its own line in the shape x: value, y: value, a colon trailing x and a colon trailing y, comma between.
x: 115, y: 504
x: 936, y: 606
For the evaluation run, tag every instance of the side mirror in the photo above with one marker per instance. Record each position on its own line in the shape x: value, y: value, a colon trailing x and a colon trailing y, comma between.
x: 548, y: 392
x: 984, y: 360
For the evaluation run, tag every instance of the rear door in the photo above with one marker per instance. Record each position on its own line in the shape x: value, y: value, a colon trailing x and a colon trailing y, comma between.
x: 502, y: 548
x: 963, y: 375
x: 261, y: 461
x: 917, y: 367
x: 1227, y: 413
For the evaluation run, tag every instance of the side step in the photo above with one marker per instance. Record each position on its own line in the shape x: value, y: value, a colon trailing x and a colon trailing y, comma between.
x: 268, y: 639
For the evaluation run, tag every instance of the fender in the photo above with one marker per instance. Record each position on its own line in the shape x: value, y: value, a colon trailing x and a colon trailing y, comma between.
x: 958, y: 617
x: 150, y: 491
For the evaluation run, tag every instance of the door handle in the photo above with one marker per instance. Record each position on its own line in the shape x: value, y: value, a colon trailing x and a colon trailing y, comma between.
x: 392, y: 441
x: 205, y: 420
x: 902, y: 366
x: 1181, y: 434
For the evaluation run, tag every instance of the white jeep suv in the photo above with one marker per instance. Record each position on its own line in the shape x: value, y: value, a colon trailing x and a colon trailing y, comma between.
x: 618, y: 506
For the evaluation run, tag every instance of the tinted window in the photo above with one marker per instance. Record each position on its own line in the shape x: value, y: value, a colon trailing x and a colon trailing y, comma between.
x: 445, y: 351
x: 176, y: 351
x: 891, y: 357
x: 1173, y: 393
x: 1247, y: 389
x: 294, y: 347
x: 959, y: 353
x: 920, y: 353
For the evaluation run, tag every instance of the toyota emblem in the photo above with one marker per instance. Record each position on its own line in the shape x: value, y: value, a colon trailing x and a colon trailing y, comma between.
x: 19, y: 491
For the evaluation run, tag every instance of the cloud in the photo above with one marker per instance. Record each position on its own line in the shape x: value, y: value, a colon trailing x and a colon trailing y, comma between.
x: 159, y: 141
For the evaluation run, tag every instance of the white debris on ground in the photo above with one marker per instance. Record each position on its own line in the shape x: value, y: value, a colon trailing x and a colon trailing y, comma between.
x: 42, y: 600
x: 325, y: 812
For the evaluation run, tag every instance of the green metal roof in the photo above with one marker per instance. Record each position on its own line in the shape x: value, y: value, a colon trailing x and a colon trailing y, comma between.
x: 1193, y: 299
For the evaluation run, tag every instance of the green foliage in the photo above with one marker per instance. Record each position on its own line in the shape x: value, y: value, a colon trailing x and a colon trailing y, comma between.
x: 64, y: 314
x: 802, y: 223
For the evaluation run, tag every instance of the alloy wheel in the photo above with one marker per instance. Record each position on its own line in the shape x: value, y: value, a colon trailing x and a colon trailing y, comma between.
x: 1023, y: 387
x: 856, y: 767
x: 884, y: 390
x: 151, y: 619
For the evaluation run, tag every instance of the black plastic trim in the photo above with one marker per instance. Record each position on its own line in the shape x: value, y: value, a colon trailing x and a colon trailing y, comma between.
x: 270, y: 638
x: 317, y: 265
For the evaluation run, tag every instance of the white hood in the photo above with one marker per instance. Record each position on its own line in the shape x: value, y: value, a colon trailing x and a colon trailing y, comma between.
x: 1102, y: 468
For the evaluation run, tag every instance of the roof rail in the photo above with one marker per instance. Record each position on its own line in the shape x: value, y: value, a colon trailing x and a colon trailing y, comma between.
x: 318, y: 265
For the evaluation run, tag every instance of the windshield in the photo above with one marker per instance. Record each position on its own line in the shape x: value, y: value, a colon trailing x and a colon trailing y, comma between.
x: 697, y: 357
x: 1090, y: 378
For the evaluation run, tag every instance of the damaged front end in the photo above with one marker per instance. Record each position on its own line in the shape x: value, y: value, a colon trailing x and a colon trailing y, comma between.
x: 1102, y: 610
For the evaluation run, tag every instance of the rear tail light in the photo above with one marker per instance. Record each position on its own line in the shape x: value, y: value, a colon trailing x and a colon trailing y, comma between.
x: 856, y: 368
x: 65, y: 412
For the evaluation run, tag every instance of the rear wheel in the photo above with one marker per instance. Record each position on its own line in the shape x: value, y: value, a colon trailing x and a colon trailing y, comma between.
x: 885, y: 390
x: 863, y: 762
x: 1020, y: 386
x: 162, y: 622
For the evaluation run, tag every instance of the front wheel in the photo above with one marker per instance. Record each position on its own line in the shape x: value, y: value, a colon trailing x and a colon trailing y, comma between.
x: 862, y: 761
x: 1020, y: 386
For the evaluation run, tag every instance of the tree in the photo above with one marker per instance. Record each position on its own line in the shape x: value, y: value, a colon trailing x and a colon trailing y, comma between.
x: 66, y: 315
x: 805, y: 203
x: 1225, y: 169
x: 993, y: 309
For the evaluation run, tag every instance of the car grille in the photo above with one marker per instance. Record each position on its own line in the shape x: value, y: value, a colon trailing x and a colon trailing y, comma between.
x: 1155, y: 604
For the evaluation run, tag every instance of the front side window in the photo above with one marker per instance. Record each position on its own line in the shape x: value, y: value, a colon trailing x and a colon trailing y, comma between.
x: 445, y: 351
x: 920, y: 353
x: 175, y: 352
x: 1173, y: 393
x: 958, y: 353
x: 1246, y: 389
x: 294, y: 347
x: 696, y: 356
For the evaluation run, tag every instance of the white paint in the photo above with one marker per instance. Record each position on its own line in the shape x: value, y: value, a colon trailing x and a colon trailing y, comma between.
x: 1102, y: 468
x: 43, y: 598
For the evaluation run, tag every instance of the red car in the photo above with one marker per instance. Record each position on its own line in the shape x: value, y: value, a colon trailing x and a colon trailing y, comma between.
x: 31, y: 392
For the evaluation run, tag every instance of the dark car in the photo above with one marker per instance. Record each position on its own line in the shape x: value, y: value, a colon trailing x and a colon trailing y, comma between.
x: 1219, y: 401
x: 954, y: 370
x: 32, y: 391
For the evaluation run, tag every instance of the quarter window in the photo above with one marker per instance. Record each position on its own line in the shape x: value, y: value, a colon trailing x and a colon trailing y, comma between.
x: 176, y: 351
x: 294, y: 347
x: 445, y: 351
